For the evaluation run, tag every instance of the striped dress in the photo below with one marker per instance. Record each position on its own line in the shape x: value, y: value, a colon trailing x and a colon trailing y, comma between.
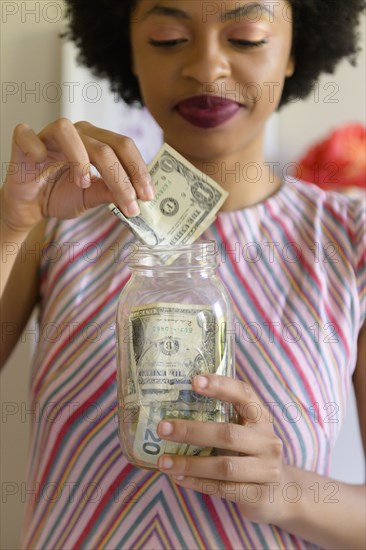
x: 295, y: 267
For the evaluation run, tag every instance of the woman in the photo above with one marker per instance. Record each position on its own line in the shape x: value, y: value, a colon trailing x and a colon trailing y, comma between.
x: 211, y: 74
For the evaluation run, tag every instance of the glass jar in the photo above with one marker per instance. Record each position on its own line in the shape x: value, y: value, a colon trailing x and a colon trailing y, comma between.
x: 174, y: 321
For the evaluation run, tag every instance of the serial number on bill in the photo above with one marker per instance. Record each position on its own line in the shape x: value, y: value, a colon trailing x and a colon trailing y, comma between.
x: 172, y: 330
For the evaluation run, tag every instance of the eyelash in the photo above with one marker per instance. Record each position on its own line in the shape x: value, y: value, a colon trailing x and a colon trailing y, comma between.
x: 248, y: 43
x: 166, y: 43
x: 239, y: 43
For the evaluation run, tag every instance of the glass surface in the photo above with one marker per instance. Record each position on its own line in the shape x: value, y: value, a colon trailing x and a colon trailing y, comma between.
x: 174, y: 320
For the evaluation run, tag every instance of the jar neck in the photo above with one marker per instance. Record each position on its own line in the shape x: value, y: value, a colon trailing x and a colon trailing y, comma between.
x: 168, y: 272
x: 199, y: 258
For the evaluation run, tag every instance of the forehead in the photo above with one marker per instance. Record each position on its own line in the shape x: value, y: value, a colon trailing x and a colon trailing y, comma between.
x: 207, y: 10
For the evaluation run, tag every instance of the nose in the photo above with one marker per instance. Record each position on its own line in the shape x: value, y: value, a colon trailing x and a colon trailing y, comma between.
x: 206, y: 61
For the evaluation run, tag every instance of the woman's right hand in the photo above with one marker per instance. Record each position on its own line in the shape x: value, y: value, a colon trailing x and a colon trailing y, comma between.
x: 49, y: 173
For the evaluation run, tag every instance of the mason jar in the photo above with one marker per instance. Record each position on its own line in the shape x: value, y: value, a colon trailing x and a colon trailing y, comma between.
x: 174, y: 321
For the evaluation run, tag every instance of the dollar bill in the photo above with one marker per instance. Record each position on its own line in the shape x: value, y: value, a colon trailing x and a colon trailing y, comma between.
x: 169, y: 344
x: 185, y: 204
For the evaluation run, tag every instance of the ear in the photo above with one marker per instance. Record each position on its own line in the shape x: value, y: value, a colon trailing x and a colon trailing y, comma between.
x: 290, y: 69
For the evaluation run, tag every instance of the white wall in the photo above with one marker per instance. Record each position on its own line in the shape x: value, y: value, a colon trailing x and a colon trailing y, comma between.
x: 30, y: 55
x: 337, y: 99
x: 30, y: 59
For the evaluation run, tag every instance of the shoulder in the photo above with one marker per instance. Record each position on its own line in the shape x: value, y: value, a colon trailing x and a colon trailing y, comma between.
x: 335, y: 201
x: 338, y: 225
x: 341, y: 214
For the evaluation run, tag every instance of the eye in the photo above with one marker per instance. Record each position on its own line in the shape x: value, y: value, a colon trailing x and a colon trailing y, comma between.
x: 167, y: 43
x: 248, y: 43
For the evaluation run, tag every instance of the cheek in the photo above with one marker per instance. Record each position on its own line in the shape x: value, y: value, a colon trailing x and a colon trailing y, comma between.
x: 155, y: 81
x: 152, y: 92
x: 144, y: 73
x: 262, y: 81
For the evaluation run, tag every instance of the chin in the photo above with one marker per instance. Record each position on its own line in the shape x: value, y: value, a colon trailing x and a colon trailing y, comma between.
x: 209, y: 147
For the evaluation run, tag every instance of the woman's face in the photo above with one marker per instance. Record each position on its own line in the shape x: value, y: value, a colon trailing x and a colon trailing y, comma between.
x: 237, y: 51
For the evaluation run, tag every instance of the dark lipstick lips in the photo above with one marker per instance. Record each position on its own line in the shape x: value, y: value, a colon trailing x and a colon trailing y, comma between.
x: 207, y: 111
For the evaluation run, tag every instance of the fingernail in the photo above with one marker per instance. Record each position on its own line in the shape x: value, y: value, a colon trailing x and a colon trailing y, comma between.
x: 201, y: 382
x: 133, y: 208
x: 149, y: 192
x: 85, y: 181
x: 166, y: 463
x: 165, y: 428
x: 178, y: 478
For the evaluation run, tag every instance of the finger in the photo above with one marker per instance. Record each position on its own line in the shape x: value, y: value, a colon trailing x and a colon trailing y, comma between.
x: 62, y: 138
x: 246, y: 402
x: 104, y: 158
x: 221, y: 435
x: 27, y: 147
x: 225, y: 468
x: 129, y: 158
x: 97, y: 194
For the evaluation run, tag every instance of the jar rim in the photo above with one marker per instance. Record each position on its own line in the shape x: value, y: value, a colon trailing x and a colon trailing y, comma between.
x: 197, y: 255
x: 197, y: 246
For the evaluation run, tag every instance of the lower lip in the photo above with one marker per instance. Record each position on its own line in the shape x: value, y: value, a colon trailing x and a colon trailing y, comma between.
x: 209, y: 118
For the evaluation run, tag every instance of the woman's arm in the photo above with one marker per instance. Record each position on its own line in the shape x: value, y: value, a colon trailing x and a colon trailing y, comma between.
x: 330, y: 513
x: 359, y: 382
x: 19, y: 261
x: 49, y: 175
x: 321, y: 510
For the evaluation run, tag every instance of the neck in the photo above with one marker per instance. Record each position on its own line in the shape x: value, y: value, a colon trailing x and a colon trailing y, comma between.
x: 244, y: 174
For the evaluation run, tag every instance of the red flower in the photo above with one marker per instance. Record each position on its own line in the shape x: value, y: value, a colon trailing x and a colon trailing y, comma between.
x: 338, y: 161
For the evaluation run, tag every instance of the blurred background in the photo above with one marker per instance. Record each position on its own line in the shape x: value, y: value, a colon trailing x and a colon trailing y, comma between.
x: 40, y: 82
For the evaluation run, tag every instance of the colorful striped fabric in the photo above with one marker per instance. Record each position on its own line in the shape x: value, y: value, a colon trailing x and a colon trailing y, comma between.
x: 295, y: 266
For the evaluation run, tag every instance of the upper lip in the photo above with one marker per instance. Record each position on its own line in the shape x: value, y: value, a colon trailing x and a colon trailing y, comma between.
x: 205, y: 101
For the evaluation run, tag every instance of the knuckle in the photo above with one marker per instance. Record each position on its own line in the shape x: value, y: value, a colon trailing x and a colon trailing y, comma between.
x: 275, y: 473
x: 63, y: 124
x: 127, y: 188
x: 197, y: 484
x: 188, y: 467
x: 184, y: 431
x: 104, y: 150
x: 20, y: 128
x: 127, y: 142
x: 247, y: 390
x: 136, y: 171
x: 230, y: 434
x: 228, y: 467
x: 82, y: 125
x: 277, y: 447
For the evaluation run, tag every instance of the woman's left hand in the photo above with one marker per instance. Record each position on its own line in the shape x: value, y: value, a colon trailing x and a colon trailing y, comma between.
x: 249, y: 470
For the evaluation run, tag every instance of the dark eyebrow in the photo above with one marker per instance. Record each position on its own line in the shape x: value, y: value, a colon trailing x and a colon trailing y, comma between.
x: 236, y: 14
x: 245, y: 10
x: 167, y: 11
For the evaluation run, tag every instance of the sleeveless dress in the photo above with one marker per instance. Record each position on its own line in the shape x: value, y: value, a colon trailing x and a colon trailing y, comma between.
x: 295, y: 267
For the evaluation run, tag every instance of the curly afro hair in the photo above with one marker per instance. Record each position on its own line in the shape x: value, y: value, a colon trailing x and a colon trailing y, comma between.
x: 324, y: 32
